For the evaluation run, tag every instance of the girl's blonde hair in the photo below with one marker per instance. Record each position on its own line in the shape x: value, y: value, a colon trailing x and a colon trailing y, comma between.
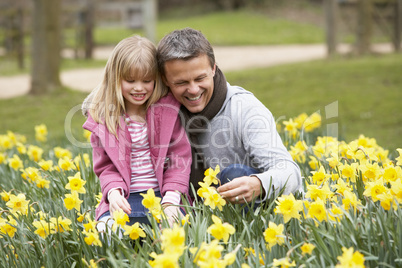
x: 134, y: 58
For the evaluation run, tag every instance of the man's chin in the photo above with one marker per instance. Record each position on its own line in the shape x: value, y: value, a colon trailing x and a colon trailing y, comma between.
x: 194, y: 109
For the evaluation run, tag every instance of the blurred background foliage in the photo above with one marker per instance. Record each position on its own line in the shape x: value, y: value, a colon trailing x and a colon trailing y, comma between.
x: 367, y: 88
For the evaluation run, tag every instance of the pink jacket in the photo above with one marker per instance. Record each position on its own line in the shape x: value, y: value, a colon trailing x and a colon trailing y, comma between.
x: 169, y: 145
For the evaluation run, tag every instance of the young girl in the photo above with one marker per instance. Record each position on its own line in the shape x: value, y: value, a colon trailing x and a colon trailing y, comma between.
x: 137, y: 138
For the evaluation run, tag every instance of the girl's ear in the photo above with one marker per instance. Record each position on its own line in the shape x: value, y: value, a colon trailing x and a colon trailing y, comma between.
x: 214, y: 70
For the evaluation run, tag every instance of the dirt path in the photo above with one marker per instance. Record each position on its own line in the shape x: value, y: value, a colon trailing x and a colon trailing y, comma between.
x: 228, y: 59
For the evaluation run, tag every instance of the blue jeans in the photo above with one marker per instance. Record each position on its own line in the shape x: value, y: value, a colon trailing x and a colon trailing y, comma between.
x: 138, y: 211
x: 234, y: 171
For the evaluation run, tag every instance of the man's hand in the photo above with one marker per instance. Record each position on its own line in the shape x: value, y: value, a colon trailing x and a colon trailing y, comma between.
x: 241, y: 190
x: 117, y: 201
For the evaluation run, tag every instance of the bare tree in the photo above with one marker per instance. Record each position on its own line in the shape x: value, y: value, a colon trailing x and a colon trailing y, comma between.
x: 45, y: 74
x: 364, y: 26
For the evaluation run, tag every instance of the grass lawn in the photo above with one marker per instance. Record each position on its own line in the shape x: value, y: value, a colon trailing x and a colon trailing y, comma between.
x: 22, y: 114
x: 229, y: 28
x: 368, y: 91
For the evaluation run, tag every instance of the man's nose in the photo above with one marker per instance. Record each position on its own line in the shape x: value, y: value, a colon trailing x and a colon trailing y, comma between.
x: 192, y: 88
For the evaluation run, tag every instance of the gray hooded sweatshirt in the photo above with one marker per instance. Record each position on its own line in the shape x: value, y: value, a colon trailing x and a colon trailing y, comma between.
x: 244, y: 132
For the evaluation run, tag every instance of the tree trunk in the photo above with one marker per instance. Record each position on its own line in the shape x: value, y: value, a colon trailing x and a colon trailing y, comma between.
x: 364, y: 26
x: 45, y: 74
x: 331, y: 21
x: 88, y: 29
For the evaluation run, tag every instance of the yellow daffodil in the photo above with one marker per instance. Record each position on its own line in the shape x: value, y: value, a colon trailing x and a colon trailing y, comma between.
x: 5, y: 196
x: 313, y: 163
x: 185, y: 219
x: 66, y: 164
x: 211, y: 197
x: 350, y: 200
x: 307, y: 248
x: 381, y: 154
x: 291, y: 127
x: 317, y: 210
x: 342, y: 186
x: 289, y: 207
x: 374, y: 188
x: 273, y: 235
x: 42, y: 183
x: 396, y: 190
x: 387, y: 200
x: 319, y: 176
x: 399, y: 158
x: 283, y: 263
x: 300, y: 120
x: 134, y: 231
x: 87, y: 135
x: 98, y: 198
x: 220, y: 230
x: 84, y: 158
x: 43, y: 228
x: 41, y: 133
x: 92, y: 238
x: 366, y: 142
x: 31, y: 174
x: 18, y: 204
x: 42, y: 215
x: 120, y: 218
x: 370, y: 172
x: 319, y: 192
x: 72, y: 201
x: 348, y: 171
x: 312, y: 122
x: 15, y: 162
x: 298, y: 151
x: 164, y: 260
x: 46, y: 165
x: 76, y: 184
x: 90, y: 225
x: 91, y: 264
x: 209, y: 255
x: 21, y: 148
x: 335, y: 213
x: 350, y: 258
x: 8, y: 227
x: 5, y: 142
x: 392, y: 173
x: 150, y: 201
x: 333, y: 161
x: 173, y: 240
x: 35, y: 153
x: 61, y: 224
x: 210, y: 176
x: 366, y: 155
x: 3, y: 157
x: 62, y: 153
x: 252, y: 251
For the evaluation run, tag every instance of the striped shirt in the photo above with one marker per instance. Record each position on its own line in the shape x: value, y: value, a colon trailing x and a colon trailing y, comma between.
x: 142, y: 170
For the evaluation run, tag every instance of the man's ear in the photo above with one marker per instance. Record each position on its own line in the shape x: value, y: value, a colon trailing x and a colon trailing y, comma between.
x: 214, y: 70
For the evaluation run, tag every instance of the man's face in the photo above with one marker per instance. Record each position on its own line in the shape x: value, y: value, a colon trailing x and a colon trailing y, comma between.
x: 191, y: 81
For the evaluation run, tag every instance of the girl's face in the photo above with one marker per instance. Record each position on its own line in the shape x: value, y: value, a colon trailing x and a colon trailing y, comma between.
x: 136, y: 93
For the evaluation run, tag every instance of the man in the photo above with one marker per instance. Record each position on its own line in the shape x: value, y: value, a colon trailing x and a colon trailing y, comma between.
x: 226, y: 125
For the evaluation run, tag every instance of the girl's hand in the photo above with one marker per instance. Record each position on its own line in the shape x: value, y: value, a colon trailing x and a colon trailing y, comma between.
x: 172, y: 213
x: 117, y: 201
